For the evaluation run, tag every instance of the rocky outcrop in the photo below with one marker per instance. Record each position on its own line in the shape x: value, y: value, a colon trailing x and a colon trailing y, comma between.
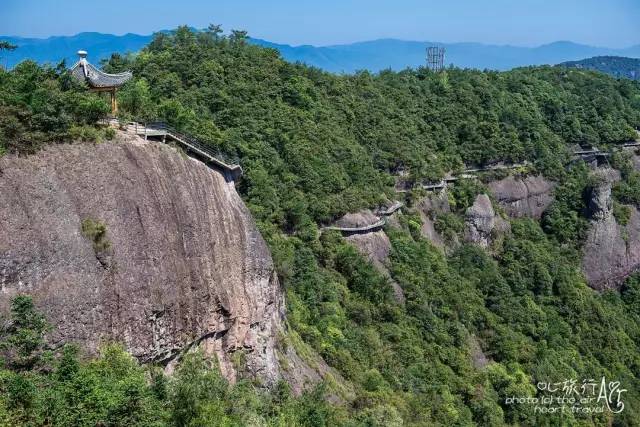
x: 373, y: 243
x: 523, y: 197
x: 482, y: 224
x: 611, y: 251
x: 363, y: 218
x: 428, y: 208
x: 181, y: 264
x: 478, y: 358
x: 376, y: 247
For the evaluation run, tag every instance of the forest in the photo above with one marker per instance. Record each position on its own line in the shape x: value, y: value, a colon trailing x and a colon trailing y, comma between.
x: 315, y: 146
x: 616, y: 66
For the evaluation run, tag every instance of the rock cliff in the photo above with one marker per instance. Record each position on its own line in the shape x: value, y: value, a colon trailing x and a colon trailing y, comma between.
x: 523, y: 197
x: 178, y: 263
x: 374, y: 245
x: 428, y: 208
x: 482, y: 224
x: 611, y: 251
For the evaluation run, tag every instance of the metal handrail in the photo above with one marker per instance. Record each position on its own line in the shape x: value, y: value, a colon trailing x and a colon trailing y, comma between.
x: 232, y: 164
x: 164, y: 126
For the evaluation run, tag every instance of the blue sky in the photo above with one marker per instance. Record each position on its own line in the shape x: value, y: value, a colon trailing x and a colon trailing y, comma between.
x: 610, y: 23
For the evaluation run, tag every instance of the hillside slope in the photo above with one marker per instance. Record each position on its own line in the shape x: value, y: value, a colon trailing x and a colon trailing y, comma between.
x: 616, y: 66
x: 466, y: 297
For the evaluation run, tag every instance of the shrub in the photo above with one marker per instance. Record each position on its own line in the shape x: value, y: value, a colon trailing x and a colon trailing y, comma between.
x: 109, y: 133
x: 621, y: 212
x: 84, y: 133
x: 96, y: 231
x: 449, y: 225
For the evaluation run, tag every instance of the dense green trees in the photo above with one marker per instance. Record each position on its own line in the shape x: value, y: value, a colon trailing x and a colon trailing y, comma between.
x: 314, y: 146
x: 336, y: 139
x: 40, y: 105
x: 39, y: 388
x: 616, y: 66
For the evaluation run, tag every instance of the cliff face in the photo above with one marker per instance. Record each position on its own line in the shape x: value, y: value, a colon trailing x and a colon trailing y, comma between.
x: 374, y: 245
x: 181, y: 264
x: 611, y: 251
x: 432, y: 205
x: 482, y: 224
x: 523, y: 197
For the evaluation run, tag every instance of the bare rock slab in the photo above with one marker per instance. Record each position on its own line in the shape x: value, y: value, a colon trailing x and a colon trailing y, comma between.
x: 523, y: 197
x: 185, y: 265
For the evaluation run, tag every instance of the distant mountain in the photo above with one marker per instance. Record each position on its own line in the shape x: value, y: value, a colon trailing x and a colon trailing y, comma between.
x: 616, y: 66
x: 370, y: 55
x: 54, y: 49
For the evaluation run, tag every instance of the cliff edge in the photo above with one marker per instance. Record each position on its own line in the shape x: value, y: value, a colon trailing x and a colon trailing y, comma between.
x: 134, y: 242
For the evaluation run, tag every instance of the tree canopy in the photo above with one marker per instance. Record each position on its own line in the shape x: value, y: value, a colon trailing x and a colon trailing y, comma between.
x: 315, y: 145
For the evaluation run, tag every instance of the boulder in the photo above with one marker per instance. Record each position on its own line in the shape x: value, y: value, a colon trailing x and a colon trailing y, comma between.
x: 482, y: 224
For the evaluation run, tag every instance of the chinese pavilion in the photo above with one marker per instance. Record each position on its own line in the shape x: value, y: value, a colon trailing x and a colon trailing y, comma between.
x: 98, y: 80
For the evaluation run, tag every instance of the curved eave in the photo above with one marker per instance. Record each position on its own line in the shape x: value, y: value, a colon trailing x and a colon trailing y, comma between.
x: 99, y: 79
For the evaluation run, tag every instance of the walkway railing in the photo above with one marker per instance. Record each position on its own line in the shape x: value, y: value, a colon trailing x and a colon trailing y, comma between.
x: 191, y: 144
x: 383, y: 214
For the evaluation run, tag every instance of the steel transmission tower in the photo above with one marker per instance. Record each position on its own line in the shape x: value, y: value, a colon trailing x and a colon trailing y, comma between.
x: 435, y: 58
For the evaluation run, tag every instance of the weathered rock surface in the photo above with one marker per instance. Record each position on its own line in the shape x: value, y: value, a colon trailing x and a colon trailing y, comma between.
x: 357, y: 219
x: 482, y: 224
x: 376, y: 247
x: 428, y: 207
x: 528, y: 197
x: 186, y: 266
x: 611, y: 252
x: 478, y: 358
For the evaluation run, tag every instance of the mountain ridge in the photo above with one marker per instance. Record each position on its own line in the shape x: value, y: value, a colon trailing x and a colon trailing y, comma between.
x: 373, y: 55
x: 616, y: 66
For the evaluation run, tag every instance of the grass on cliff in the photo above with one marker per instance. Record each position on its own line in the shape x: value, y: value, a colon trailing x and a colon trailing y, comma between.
x: 96, y: 232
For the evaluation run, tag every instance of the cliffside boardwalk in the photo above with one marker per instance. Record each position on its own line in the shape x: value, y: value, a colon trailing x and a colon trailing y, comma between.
x: 99, y: 81
x: 190, y: 144
x: 362, y: 229
x: 382, y: 213
x: 588, y: 155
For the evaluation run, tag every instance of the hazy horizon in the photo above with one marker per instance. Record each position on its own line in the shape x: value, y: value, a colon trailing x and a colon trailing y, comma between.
x: 529, y: 23
x: 336, y: 44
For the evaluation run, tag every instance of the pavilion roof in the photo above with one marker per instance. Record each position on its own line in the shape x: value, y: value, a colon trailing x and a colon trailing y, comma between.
x: 96, y: 78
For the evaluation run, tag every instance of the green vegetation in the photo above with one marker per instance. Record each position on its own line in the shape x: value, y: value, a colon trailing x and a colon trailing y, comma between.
x: 38, y: 388
x: 42, y: 105
x: 96, y: 231
x: 616, y: 66
x: 314, y: 146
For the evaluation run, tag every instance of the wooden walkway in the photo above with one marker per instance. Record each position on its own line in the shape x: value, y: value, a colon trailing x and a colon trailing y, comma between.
x: 353, y: 230
x: 191, y: 145
x: 391, y: 209
x: 471, y: 173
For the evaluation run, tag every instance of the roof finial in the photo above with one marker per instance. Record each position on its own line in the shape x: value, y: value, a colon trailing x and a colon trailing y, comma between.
x: 82, y: 53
